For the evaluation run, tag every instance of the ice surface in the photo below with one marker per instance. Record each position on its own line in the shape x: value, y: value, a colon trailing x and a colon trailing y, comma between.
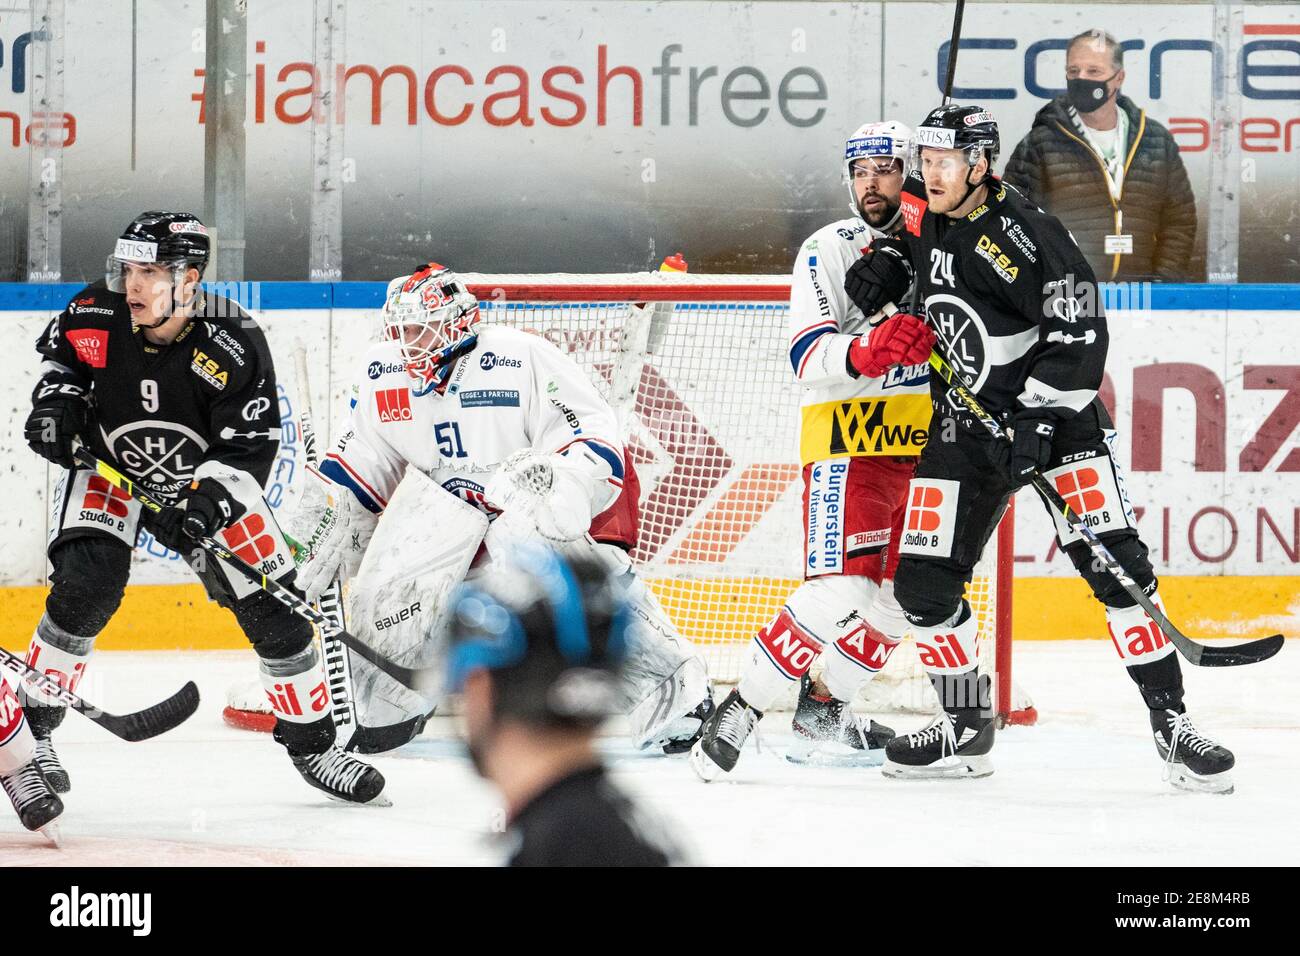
x: 1082, y: 787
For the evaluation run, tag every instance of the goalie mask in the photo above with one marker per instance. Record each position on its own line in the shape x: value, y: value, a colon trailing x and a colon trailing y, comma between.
x: 175, y: 240
x: 878, y: 145
x: 434, y: 318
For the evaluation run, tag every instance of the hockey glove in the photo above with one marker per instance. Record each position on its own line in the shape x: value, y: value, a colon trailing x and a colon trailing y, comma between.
x: 331, y: 530
x: 880, y: 277
x: 58, y: 416
x: 1030, y: 447
x: 207, y: 509
x: 902, y: 339
x: 542, y: 495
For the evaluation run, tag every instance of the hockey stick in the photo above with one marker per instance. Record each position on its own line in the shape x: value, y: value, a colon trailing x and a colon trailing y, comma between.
x: 1206, y: 655
x: 140, y: 725
x: 419, y: 680
x: 954, y: 44
x: 362, y: 739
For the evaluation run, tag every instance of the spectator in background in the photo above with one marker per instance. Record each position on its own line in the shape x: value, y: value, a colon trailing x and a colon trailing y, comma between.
x: 1110, y: 173
x: 537, y: 644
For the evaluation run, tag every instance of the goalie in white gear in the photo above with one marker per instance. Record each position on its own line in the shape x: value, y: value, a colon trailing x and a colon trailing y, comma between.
x: 503, y: 421
x: 862, y: 428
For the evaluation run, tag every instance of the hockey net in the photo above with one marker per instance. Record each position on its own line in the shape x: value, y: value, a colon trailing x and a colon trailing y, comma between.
x: 697, y: 369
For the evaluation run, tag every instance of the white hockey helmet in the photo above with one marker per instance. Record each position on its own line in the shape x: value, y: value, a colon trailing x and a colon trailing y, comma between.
x: 887, y: 139
x: 434, y: 318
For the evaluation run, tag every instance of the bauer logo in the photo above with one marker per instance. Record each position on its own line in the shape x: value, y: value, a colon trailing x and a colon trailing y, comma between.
x: 76, y: 908
x: 394, y: 404
x: 378, y: 368
x: 91, y: 346
x: 931, y: 509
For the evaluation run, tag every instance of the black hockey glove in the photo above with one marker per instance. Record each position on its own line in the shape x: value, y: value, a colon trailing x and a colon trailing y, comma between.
x: 880, y: 277
x: 58, y: 416
x: 207, y: 509
x: 1030, y: 448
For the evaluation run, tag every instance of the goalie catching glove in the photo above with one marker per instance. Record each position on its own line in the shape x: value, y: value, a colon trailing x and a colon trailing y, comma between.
x: 546, y: 495
x: 331, y: 531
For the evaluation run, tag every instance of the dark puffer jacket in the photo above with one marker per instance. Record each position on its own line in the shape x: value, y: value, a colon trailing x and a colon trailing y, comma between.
x: 1059, y: 170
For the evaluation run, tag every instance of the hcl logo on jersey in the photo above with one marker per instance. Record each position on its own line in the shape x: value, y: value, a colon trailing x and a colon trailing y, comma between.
x: 394, y: 404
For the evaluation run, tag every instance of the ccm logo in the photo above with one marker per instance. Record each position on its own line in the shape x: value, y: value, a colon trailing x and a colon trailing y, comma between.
x: 394, y: 404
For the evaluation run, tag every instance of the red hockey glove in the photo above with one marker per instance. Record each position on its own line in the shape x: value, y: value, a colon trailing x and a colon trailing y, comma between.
x: 901, y: 339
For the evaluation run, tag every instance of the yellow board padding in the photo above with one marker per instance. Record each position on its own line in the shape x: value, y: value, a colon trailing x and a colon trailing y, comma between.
x: 180, y: 617
x: 153, y: 617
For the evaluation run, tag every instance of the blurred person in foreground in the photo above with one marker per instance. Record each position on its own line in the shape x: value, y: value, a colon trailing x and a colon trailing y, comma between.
x: 1110, y: 173
x: 537, y: 644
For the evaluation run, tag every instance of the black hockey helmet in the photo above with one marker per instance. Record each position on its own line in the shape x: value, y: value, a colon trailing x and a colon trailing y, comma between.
x: 175, y: 239
x: 553, y: 632
x: 971, y: 129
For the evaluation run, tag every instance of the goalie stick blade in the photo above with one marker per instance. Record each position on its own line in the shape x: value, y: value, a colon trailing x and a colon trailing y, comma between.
x: 152, y: 721
x: 1232, y: 655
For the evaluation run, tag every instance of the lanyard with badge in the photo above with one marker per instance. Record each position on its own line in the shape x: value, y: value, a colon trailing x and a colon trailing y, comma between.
x: 1119, y: 243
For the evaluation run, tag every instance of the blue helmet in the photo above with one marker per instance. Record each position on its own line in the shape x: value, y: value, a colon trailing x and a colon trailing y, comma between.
x: 552, y: 631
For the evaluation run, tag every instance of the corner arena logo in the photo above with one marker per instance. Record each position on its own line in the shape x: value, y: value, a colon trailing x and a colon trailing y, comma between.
x: 490, y: 360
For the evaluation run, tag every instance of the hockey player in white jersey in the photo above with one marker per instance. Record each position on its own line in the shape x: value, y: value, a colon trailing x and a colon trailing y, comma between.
x: 866, y: 408
x: 502, y: 420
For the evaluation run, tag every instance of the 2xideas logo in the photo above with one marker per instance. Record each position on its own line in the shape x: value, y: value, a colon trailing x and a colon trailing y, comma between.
x: 490, y: 360
x: 378, y: 368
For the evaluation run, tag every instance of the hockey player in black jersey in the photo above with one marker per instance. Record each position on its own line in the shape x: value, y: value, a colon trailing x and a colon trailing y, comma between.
x: 175, y: 386
x: 537, y: 643
x: 1017, y: 313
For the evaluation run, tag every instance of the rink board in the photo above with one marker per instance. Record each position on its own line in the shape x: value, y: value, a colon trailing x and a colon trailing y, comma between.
x: 1202, y: 380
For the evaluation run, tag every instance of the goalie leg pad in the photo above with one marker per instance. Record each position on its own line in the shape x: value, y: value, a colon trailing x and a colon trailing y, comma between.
x: 675, y: 709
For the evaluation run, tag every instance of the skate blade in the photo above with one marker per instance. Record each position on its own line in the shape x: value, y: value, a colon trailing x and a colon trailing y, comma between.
x: 1220, y: 783
x: 949, y: 768
x: 379, y: 800
x: 53, y: 834
x: 703, y: 765
x: 825, y: 754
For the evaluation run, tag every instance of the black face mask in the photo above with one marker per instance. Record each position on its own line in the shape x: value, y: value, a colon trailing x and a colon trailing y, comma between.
x: 1088, y: 95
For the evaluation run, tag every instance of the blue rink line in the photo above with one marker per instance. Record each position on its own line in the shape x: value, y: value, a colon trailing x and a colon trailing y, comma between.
x: 274, y: 296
